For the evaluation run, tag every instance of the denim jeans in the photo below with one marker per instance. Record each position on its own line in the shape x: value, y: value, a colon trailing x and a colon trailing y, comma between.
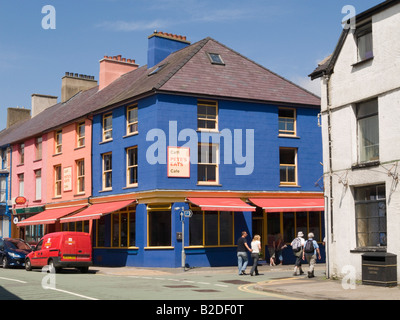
x: 243, y: 260
x: 255, y: 257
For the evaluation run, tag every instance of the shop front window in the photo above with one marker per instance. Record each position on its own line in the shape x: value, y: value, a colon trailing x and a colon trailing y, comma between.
x: 159, y: 228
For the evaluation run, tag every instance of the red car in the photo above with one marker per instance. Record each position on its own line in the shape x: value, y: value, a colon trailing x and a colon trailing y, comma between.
x: 61, y: 250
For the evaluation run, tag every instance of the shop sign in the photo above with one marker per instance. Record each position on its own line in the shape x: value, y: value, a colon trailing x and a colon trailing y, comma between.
x: 20, y: 200
x: 178, y: 162
x: 68, y: 179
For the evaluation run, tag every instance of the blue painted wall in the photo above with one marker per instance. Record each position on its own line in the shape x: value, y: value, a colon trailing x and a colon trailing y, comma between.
x: 158, y: 111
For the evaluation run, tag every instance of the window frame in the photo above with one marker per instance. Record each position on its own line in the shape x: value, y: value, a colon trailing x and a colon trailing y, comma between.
x: 129, y: 211
x: 216, y: 164
x: 133, y: 123
x: 132, y: 166
x: 21, y: 184
x: 38, y: 191
x: 107, y: 116
x: 106, y: 171
x: 80, y: 138
x: 362, y: 31
x: 165, y: 210
x: 80, y: 176
x: 359, y: 119
x: 288, y: 133
x: 219, y: 228
x: 57, y: 181
x: 38, y: 148
x: 377, y: 215
x: 58, y: 142
x: 289, y: 165
x: 21, y: 153
x: 205, y: 117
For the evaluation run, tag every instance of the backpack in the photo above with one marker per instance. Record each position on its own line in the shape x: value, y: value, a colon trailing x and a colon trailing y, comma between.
x: 309, y: 246
x: 296, y: 245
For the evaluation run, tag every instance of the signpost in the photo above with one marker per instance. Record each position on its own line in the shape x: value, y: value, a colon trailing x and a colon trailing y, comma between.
x: 184, y: 214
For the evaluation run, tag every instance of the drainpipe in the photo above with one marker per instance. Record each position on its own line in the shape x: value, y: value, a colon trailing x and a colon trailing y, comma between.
x: 8, y: 191
x: 329, y: 220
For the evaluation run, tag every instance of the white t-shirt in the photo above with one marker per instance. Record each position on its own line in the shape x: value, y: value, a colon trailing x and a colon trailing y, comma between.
x: 255, y: 246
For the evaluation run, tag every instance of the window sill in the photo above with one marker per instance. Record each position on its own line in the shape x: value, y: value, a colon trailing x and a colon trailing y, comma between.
x: 160, y: 248
x: 105, y: 190
x: 288, y: 136
x: 57, y: 197
x: 57, y: 154
x: 131, y: 186
x: 289, y: 185
x: 208, y: 130
x: 106, y: 141
x: 81, y: 147
x: 79, y: 194
x: 130, y: 134
x: 212, y: 184
x: 359, y: 63
x: 368, y: 249
x: 365, y: 165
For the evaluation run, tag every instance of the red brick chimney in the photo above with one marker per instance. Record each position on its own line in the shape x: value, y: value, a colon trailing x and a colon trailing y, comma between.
x: 111, y: 68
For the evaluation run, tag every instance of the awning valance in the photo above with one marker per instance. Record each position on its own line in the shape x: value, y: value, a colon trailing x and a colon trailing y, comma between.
x: 221, y: 204
x: 96, y: 211
x: 289, y: 205
x: 49, y: 216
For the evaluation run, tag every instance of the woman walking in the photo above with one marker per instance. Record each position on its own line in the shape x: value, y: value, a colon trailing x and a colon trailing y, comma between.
x: 255, y: 253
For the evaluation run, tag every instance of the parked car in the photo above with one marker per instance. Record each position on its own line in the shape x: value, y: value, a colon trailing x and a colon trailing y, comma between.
x: 61, y: 250
x: 13, y: 252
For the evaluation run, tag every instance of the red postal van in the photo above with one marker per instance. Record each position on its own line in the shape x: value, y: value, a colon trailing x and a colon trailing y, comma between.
x: 62, y: 250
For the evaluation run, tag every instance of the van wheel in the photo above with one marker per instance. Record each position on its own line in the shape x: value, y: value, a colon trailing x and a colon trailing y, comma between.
x: 28, y: 266
x: 52, y: 268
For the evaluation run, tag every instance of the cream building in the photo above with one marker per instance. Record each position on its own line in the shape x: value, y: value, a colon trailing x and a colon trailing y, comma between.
x: 360, y: 118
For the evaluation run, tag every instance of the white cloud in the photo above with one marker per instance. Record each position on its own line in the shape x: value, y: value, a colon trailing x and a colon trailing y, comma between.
x: 306, y: 83
x: 133, y: 25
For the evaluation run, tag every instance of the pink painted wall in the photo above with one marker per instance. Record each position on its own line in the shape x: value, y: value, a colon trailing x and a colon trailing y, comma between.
x: 28, y: 168
x: 67, y: 159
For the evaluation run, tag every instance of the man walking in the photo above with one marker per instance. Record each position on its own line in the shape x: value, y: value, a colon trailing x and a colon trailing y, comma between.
x: 242, y: 248
x: 297, y: 247
x: 311, y: 249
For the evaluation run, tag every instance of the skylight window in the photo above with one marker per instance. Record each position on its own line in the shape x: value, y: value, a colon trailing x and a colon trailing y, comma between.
x: 215, y: 58
x: 156, y: 70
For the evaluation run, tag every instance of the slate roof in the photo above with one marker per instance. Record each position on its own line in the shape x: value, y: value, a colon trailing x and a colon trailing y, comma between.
x: 187, y: 71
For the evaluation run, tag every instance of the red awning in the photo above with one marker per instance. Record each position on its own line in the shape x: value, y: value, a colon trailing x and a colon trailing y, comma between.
x: 96, y: 211
x: 221, y: 204
x: 290, y: 205
x: 49, y: 216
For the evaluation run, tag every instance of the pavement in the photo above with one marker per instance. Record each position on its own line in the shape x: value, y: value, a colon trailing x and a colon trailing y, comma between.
x: 279, y: 280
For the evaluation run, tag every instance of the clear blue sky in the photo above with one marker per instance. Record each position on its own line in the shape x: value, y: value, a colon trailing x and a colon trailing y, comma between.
x: 287, y: 36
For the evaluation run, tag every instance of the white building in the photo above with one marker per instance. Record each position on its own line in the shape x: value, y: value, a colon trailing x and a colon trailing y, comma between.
x: 360, y: 116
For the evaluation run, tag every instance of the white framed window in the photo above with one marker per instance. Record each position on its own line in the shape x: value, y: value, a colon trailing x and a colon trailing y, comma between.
x: 38, y: 184
x: 132, y: 119
x: 80, y: 176
x: 3, y: 189
x: 207, y: 115
x: 132, y: 167
x: 58, y: 142
x: 21, y: 152
x: 370, y: 210
x: 21, y: 185
x: 288, y: 166
x: 368, y: 131
x: 208, y: 163
x: 107, y: 127
x: 57, y: 181
x: 38, y: 148
x: 364, y: 42
x: 287, y: 121
x: 107, y: 171
x: 80, y: 134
